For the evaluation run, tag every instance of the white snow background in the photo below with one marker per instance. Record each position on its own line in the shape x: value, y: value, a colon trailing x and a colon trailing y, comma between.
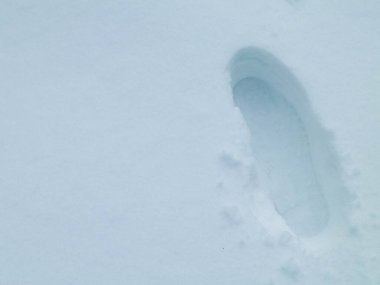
x: 124, y: 161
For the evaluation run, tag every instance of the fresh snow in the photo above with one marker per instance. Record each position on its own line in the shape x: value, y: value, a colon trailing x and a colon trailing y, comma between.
x: 190, y: 142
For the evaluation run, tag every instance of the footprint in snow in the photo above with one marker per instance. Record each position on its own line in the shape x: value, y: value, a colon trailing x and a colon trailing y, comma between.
x: 290, y: 145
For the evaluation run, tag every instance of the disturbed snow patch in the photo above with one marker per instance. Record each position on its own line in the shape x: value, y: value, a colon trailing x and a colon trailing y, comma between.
x: 298, y: 165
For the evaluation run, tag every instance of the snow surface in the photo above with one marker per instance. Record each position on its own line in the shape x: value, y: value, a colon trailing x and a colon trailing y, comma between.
x: 125, y: 161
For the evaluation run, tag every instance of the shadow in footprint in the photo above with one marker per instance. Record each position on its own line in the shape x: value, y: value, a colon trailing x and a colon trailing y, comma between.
x: 290, y: 145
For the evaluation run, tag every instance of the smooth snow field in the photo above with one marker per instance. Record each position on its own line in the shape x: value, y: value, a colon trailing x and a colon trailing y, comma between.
x: 190, y: 142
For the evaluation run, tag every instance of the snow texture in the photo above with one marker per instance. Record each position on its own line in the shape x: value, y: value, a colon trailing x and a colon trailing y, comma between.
x: 189, y: 142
